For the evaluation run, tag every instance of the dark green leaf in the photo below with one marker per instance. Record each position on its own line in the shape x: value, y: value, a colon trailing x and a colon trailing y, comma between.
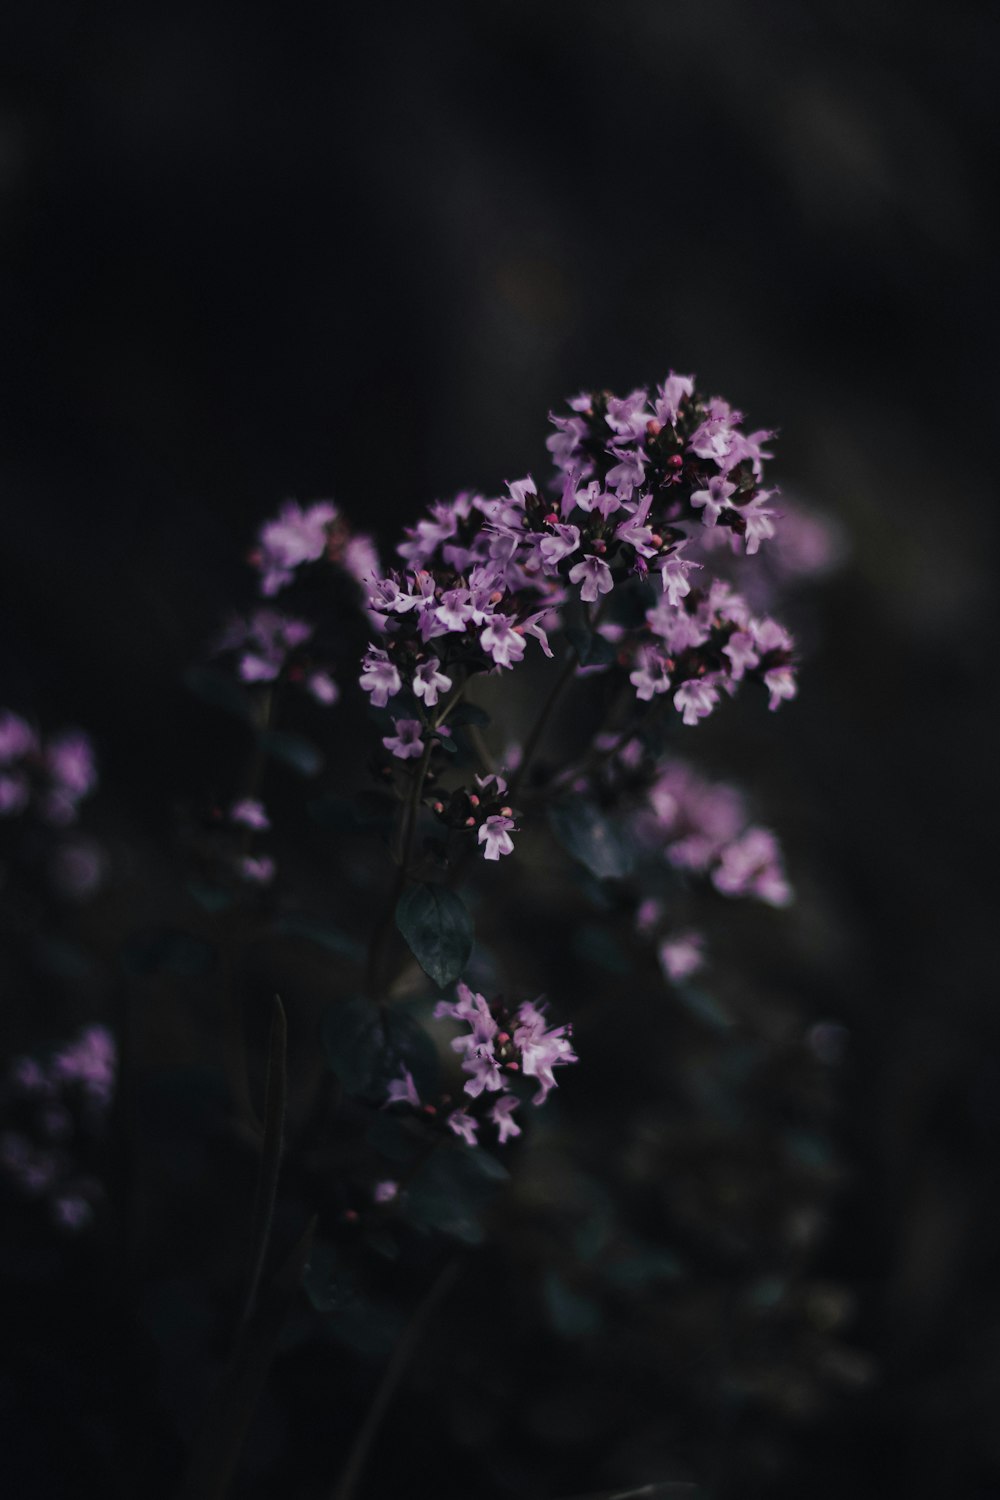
x: 592, y: 837
x: 469, y: 713
x: 580, y: 638
x: 369, y: 810
x: 452, y: 1188
x: 316, y: 930
x: 571, y: 1315
x: 595, y: 945
x: 397, y: 1137
x: 704, y: 1006
x: 215, y: 687
x: 293, y: 749
x: 367, y: 1048
x: 166, y: 950
x: 642, y: 1266
x: 352, y: 1037
x: 437, y: 929
x: 210, y: 897
x: 371, y: 1329
x: 328, y: 1286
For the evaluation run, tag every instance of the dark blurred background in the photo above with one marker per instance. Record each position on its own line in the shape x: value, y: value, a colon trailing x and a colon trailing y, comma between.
x: 249, y: 253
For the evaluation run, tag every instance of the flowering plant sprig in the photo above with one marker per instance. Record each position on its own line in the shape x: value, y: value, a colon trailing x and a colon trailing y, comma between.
x: 616, y: 561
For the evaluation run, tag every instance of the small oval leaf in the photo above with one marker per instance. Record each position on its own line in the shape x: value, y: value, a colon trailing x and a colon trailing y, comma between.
x: 438, y: 930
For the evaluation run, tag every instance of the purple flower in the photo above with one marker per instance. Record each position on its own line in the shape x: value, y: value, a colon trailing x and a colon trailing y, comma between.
x: 594, y: 576
x: 681, y: 955
x: 635, y: 531
x: 627, y: 415
x: 673, y: 576
x: 532, y: 626
x: 250, y: 813
x: 406, y: 743
x: 502, y: 640
x: 501, y: 1116
x: 428, y: 682
x: 321, y: 686
x: 541, y: 1049
x: 494, y: 834
x: 649, y: 676
x: 463, y: 1124
x: 17, y: 738
x: 715, y: 499
x: 759, y: 522
x: 91, y: 1061
x: 297, y: 536
x: 669, y: 397
x: 379, y: 676
x: 780, y: 683
x: 696, y: 699
x: 403, y: 1091
x: 360, y: 559
x: 563, y: 541
x: 714, y: 440
x: 485, y: 1071
x: 454, y: 610
x: 751, y: 866
x: 270, y: 635
x: 564, y: 443
x: 629, y: 472
x: 385, y: 1192
x: 14, y: 795
x: 742, y: 653
x: 70, y: 759
x: 259, y: 870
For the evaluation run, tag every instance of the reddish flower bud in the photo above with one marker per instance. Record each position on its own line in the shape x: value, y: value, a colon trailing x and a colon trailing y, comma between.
x: 473, y: 800
x: 470, y: 823
x: 675, y: 461
x: 653, y: 428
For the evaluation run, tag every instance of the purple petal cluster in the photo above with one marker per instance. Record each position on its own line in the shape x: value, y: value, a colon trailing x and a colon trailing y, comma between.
x: 52, y: 1111
x: 52, y: 775
x: 298, y: 536
x: 497, y: 1046
x: 643, y: 480
x: 702, y: 826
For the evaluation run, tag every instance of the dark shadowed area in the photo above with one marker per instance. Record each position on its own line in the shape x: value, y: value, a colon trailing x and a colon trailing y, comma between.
x: 250, y: 253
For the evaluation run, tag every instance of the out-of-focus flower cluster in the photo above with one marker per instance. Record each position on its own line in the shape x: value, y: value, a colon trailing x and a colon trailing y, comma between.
x: 43, y: 781
x: 270, y: 644
x: 53, y: 775
x: 54, y: 1111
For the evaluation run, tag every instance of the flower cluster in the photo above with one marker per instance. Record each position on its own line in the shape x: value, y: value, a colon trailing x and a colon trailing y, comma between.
x: 268, y: 643
x: 297, y: 537
x: 499, y: 1046
x: 55, y: 775
x: 702, y: 826
x: 615, y: 554
x: 47, y: 779
x: 55, y: 1109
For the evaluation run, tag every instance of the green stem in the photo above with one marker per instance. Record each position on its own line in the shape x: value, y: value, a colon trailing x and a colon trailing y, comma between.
x: 540, y: 725
x: 378, y: 943
x: 223, y: 1432
x: 401, y: 1356
x: 275, y: 1104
